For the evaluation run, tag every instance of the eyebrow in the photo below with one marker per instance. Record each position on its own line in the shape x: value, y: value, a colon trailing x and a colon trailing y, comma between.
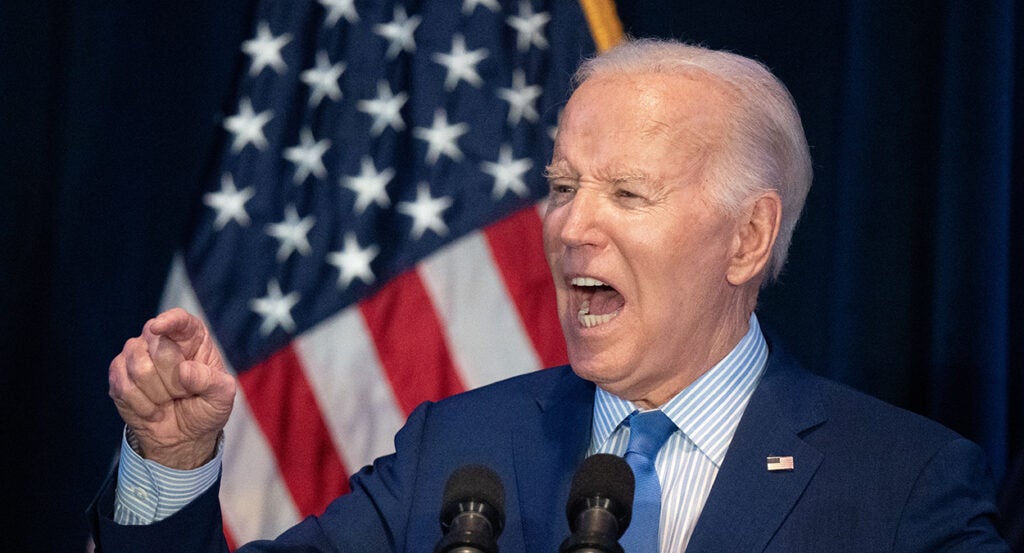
x: 559, y: 169
x: 631, y: 176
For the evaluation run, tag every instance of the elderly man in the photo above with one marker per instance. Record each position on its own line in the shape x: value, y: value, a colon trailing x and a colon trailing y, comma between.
x: 676, y: 182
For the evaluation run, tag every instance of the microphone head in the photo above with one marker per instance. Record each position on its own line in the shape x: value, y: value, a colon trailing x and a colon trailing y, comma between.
x: 605, y: 481
x: 476, y: 487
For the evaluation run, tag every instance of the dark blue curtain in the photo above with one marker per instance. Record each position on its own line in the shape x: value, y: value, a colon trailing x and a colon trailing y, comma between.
x: 905, y: 279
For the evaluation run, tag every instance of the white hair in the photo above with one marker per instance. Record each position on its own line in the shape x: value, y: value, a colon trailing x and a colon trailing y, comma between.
x: 766, y: 150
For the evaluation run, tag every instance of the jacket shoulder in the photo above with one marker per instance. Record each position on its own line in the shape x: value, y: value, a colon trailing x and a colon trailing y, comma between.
x: 858, y: 433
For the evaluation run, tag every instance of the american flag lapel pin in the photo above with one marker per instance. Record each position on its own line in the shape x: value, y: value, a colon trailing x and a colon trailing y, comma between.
x: 780, y: 463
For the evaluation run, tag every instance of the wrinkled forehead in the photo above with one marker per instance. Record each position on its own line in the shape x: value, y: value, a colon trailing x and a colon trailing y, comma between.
x: 672, y: 115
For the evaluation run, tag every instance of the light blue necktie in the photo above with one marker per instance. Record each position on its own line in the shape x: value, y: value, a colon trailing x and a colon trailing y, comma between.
x: 647, y: 433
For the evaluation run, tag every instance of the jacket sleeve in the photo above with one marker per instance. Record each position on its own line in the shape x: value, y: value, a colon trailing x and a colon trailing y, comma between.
x: 950, y: 506
x: 372, y: 518
x: 196, y: 528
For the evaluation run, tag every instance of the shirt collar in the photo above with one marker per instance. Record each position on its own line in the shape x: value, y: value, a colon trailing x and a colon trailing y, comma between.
x: 707, y: 411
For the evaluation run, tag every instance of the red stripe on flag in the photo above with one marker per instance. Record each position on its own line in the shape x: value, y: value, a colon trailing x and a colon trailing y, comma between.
x: 229, y: 538
x: 286, y: 409
x: 517, y: 244
x: 410, y: 342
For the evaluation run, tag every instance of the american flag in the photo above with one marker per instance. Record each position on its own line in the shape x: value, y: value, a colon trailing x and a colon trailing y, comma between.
x: 370, y: 235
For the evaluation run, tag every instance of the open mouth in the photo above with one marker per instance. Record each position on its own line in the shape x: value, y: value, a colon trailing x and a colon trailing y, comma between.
x: 599, y: 302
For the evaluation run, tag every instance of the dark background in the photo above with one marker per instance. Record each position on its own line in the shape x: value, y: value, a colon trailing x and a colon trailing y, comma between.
x: 905, y: 278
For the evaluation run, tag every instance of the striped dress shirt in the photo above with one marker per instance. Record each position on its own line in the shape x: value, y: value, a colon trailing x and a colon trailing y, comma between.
x: 706, y: 414
x: 149, y: 492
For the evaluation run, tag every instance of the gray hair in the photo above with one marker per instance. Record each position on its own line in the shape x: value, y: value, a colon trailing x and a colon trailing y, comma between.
x: 767, y: 149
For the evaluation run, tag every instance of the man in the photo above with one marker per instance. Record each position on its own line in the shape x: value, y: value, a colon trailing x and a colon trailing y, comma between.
x: 676, y: 181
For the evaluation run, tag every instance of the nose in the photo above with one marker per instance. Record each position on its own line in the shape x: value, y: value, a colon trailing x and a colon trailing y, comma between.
x: 579, y: 224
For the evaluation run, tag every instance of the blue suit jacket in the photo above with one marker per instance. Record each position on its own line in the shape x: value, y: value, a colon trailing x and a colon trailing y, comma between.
x: 867, y: 477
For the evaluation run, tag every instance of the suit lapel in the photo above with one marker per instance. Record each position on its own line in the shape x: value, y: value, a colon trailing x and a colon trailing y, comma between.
x: 748, y: 502
x: 548, y: 447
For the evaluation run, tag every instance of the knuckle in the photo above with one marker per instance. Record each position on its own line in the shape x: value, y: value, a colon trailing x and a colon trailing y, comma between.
x: 116, y: 382
x: 145, y: 409
x: 138, y: 370
x: 137, y: 405
x: 117, y: 363
x: 133, y: 345
x: 129, y: 344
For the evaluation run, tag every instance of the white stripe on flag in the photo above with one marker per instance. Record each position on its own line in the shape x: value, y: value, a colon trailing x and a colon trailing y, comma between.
x: 345, y: 374
x: 485, y: 334
x: 178, y: 290
x: 251, y: 481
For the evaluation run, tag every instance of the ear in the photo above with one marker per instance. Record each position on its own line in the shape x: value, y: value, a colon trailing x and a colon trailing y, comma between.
x: 755, y: 236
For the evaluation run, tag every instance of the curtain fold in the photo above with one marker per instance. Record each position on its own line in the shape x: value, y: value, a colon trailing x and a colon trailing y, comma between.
x: 970, y: 362
x: 922, y: 238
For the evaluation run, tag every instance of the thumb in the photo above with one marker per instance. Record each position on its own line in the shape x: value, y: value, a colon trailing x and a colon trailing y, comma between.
x: 215, y: 386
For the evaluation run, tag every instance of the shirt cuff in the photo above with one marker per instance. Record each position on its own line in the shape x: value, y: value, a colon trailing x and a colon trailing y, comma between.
x: 149, y: 492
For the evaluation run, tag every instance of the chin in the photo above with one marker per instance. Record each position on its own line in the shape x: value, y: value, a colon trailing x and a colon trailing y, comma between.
x: 599, y: 371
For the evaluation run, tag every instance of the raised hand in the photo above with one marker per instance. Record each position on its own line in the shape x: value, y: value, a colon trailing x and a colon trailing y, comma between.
x: 171, y: 388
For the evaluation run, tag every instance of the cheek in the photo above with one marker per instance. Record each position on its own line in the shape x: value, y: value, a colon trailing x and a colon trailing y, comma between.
x: 550, y: 228
x: 553, y: 254
x: 677, y: 264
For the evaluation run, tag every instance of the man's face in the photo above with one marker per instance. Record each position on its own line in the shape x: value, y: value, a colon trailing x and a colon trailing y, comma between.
x: 639, y: 256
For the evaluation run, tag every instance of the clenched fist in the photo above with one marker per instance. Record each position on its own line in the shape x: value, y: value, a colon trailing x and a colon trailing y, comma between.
x: 171, y: 388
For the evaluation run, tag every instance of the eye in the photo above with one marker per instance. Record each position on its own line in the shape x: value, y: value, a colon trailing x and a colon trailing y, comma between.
x: 560, y: 191
x: 630, y: 197
x: 560, y: 188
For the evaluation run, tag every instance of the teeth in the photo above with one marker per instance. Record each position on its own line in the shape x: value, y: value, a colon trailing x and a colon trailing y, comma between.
x: 590, y: 321
x: 587, y: 281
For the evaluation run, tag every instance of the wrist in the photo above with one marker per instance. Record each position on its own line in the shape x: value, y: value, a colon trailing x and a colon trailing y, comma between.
x: 185, y: 455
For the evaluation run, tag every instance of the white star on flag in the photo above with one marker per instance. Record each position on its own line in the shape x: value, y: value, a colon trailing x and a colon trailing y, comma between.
x: 336, y: 9
x: 426, y: 212
x: 469, y: 5
x: 441, y: 138
x: 229, y: 203
x: 529, y: 27
x: 247, y: 126
x: 461, y: 64
x: 308, y: 156
x: 275, y: 308
x: 292, y: 233
x: 399, y: 32
x: 508, y: 173
x: 353, y: 261
x: 386, y: 109
x: 369, y: 186
x: 265, y: 50
x: 323, y: 79
x: 520, y: 98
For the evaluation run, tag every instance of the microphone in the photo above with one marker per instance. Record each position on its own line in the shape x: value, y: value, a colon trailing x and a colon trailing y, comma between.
x: 600, y: 505
x: 472, y: 511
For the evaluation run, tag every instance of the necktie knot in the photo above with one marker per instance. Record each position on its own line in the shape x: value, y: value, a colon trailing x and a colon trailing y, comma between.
x: 648, y: 431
